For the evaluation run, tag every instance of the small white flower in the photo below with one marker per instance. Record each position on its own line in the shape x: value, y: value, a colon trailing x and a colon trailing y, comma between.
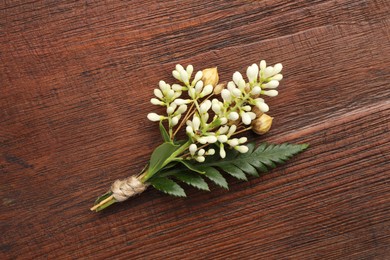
x: 277, y: 68
x: 170, y: 110
x: 195, y: 123
x: 256, y: 90
x: 155, y: 101
x: 158, y: 93
x: 277, y: 77
x: 224, y: 120
x: 181, y: 109
x: 263, y: 64
x: 233, y: 142
x: 177, y: 87
x: 252, y: 115
x: 197, y: 77
x: 175, y: 120
x: 201, y: 152
x: 272, y: 84
x: 176, y: 75
x: 179, y: 68
x: 246, y: 119
x: 232, y: 129
x: 231, y: 86
x: 199, y: 86
x: 270, y: 93
x: 268, y: 72
x: 237, y: 77
x: 226, y: 95
x: 205, y: 106
x: 233, y: 116
x: 189, y: 70
x: 262, y: 105
x: 193, y: 149
x: 154, y: 117
x: 211, y: 139
x: 223, y: 129
x: 217, y: 108
x: 163, y: 86
x: 241, y: 85
x: 200, y: 159
x: 222, y: 138
x: 222, y: 152
x: 247, y: 108
x: 236, y: 92
x: 242, y: 140
x: 192, y: 93
x: 252, y: 72
x: 210, y: 152
x: 241, y: 148
x: 207, y: 90
x: 170, y: 93
x: 190, y: 130
x: 180, y: 101
x: 202, y: 140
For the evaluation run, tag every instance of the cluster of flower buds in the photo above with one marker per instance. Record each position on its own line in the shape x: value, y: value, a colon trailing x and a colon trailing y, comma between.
x: 213, y: 120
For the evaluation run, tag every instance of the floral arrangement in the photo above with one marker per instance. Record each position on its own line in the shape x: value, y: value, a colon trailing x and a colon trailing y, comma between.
x: 214, y: 117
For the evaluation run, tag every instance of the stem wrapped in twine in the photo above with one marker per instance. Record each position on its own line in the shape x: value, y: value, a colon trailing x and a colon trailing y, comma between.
x: 124, y: 189
x: 121, y: 190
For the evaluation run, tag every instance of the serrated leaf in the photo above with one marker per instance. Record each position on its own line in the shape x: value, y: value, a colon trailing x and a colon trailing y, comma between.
x: 164, y: 133
x: 247, y: 168
x: 168, y: 186
x: 262, y: 158
x: 214, y: 175
x: 192, y: 179
x: 233, y: 171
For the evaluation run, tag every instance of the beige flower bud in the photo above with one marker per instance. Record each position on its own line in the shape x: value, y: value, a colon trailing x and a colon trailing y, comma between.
x: 262, y: 124
x: 257, y: 111
x: 210, y: 76
x: 218, y: 88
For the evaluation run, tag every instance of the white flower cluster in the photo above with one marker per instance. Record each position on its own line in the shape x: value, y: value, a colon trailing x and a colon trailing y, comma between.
x: 233, y: 111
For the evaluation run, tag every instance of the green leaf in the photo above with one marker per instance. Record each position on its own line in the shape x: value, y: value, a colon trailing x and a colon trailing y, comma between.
x: 103, y: 197
x: 191, y: 166
x: 164, y: 134
x: 233, y: 171
x: 214, y: 175
x: 264, y: 157
x: 159, y: 158
x: 247, y: 168
x: 167, y: 186
x: 192, y: 179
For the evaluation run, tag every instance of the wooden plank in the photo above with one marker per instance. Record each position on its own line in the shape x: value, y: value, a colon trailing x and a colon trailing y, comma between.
x: 75, y: 84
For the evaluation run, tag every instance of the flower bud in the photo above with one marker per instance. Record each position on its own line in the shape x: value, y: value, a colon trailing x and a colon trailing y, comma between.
x: 210, y: 76
x: 218, y: 88
x: 257, y: 111
x: 262, y: 124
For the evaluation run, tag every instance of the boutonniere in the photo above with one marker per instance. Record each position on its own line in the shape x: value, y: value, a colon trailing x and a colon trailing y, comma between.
x: 215, y: 117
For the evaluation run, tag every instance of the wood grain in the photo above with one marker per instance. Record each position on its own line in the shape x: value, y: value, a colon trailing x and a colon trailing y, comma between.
x: 75, y: 82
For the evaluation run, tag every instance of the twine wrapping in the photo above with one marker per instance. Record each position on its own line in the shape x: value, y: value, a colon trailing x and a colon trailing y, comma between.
x: 124, y: 189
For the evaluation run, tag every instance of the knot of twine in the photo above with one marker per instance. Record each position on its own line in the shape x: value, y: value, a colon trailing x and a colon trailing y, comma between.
x: 124, y: 189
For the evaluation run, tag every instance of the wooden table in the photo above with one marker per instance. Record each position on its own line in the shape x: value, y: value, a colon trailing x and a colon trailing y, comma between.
x: 76, y: 78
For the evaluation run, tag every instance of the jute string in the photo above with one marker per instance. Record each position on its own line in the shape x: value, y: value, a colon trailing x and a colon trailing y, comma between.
x: 124, y: 189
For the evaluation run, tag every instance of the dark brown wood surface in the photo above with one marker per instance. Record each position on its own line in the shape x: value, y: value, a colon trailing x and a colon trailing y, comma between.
x: 76, y: 78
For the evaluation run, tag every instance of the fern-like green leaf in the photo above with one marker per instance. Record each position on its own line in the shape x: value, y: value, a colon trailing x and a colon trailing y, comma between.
x: 264, y: 157
x: 260, y: 159
x: 167, y: 186
x: 192, y: 179
x: 214, y: 175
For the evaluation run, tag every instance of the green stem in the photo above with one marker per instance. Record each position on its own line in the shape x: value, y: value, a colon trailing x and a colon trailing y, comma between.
x: 175, y: 155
